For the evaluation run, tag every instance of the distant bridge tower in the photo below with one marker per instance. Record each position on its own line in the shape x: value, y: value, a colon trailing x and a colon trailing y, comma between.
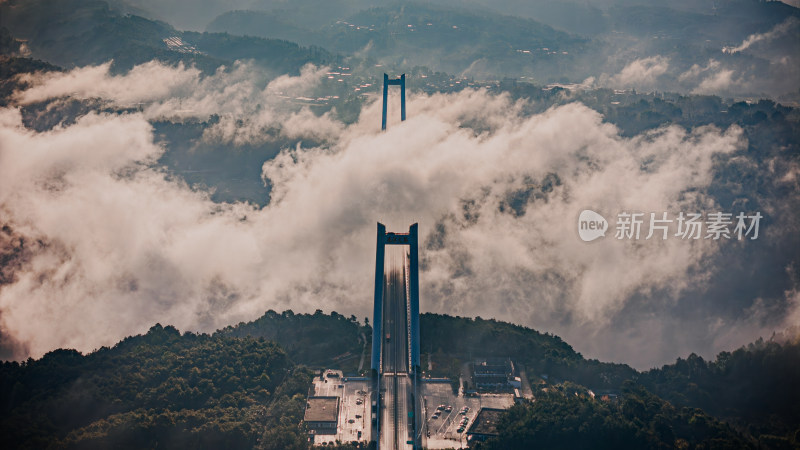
x: 395, y: 82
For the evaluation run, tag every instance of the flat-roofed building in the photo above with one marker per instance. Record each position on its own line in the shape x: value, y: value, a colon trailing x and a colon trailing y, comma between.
x: 322, y: 414
x: 485, y: 425
x: 494, y: 374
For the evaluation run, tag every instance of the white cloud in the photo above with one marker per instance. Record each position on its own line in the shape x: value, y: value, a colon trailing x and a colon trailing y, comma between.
x: 245, y: 102
x: 144, y: 83
x: 716, y: 83
x: 697, y: 70
x: 710, y: 79
x: 642, y: 73
x: 125, y: 247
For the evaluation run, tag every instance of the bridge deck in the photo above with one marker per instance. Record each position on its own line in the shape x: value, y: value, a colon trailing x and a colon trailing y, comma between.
x: 396, y: 386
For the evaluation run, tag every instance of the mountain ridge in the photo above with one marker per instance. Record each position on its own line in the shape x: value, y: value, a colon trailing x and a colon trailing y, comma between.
x: 235, y: 388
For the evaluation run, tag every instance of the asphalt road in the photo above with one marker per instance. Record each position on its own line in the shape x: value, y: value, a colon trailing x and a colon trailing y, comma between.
x: 395, y: 383
x: 396, y: 429
x: 395, y: 321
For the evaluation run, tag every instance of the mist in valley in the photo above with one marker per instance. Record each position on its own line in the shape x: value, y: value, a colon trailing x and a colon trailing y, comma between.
x: 197, y: 166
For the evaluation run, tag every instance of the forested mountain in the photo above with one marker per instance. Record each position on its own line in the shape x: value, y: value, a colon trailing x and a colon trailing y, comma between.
x: 544, y: 40
x: 273, y: 24
x: 449, y: 39
x: 79, y: 32
x: 317, y: 340
x: 463, y: 338
x: 162, y: 389
x: 547, y: 40
x: 12, y: 63
x: 753, y: 387
x: 244, y: 386
x: 569, y: 419
x: 234, y: 390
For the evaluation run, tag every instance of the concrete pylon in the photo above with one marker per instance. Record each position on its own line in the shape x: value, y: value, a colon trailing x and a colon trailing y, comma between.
x: 411, y: 239
x: 395, y: 82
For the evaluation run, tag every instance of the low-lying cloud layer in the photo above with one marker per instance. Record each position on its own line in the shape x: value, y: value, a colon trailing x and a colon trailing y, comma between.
x: 641, y: 73
x: 244, y: 101
x: 764, y: 64
x: 115, y: 244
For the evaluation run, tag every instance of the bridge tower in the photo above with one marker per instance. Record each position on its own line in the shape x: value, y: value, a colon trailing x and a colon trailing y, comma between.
x: 410, y: 239
x: 395, y: 82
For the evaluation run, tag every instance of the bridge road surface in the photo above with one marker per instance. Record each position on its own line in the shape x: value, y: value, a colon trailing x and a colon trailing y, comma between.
x: 396, y: 429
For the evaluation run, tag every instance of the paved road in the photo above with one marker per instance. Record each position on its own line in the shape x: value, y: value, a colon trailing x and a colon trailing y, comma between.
x: 395, y: 321
x: 363, y: 352
x: 395, y: 383
x: 396, y: 423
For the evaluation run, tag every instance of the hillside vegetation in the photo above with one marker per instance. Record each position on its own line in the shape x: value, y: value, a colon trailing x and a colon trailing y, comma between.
x: 73, y: 33
x: 233, y: 390
x: 162, y: 389
x: 572, y: 420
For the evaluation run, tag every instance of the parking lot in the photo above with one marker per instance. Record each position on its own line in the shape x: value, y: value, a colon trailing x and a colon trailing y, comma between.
x: 442, y: 431
x: 354, y: 422
x: 439, y: 430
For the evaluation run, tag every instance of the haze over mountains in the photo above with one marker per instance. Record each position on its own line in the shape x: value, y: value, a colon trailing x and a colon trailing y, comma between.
x: 199, y: 178
x: 512, y: 38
